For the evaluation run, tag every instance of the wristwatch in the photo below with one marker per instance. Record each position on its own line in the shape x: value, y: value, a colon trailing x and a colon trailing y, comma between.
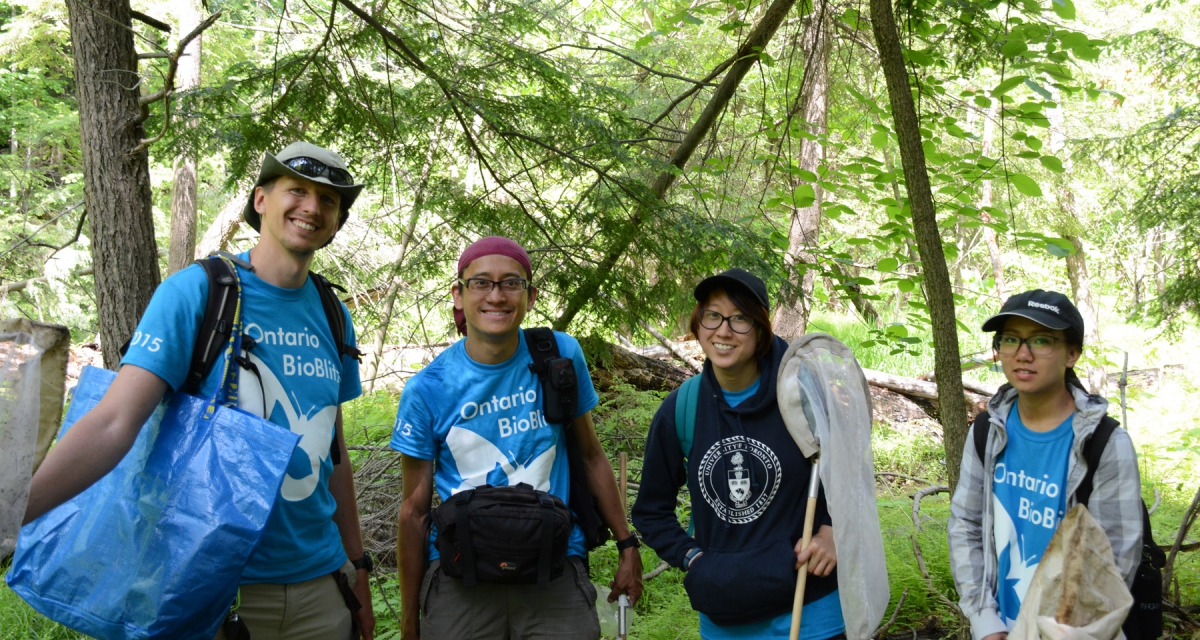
x: 628, y: 543
x: 365, y: 562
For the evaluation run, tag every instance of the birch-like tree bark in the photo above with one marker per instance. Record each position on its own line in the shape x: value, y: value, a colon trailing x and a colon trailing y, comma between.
x: 792, y: 312
x: 184, y: 189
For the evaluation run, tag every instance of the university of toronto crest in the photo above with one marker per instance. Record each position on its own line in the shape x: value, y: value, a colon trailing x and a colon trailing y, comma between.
x: 725, y: 472
x: 739, y: 482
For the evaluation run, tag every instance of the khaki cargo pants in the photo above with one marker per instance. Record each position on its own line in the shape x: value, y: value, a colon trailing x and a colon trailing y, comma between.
x: 567, y: 610
x: 310, y: 610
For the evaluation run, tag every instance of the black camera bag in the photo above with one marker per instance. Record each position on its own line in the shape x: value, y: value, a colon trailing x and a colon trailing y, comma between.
x: 505, y: 535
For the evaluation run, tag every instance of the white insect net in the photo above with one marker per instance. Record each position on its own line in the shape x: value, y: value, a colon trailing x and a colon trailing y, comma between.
x: 826, y: 405
x: 20, y: 403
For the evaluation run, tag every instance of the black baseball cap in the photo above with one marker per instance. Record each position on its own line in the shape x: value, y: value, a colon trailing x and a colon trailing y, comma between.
x: 1047, y: 308
x: 739, y: 278
x: 310, y: 162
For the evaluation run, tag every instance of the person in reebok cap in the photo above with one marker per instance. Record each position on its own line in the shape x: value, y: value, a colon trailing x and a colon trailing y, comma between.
x: 311, y: 550
x: 308, y: 161
x: 1001, y: 518
x: 475, y: 416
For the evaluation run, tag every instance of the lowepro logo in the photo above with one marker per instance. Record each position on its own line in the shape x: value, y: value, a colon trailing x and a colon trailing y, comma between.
x: 1048, y: 307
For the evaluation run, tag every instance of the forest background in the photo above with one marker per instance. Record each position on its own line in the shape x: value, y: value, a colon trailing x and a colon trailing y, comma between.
x: 894, y: 173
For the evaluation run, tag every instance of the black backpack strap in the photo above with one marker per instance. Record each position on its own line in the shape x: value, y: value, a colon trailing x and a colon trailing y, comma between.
x: 980, y: 430
x: 333, y: 313
x: 542, y: 348
x: 337, y: 326
x: 543, y: 578
x: 217, y: 325
x: 1091, y: 456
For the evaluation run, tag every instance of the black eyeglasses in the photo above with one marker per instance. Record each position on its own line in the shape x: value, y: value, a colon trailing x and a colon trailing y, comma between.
x: 483, y: 285
x: 313, y: 168
x: 739, y: 323
x: 1008, y: 344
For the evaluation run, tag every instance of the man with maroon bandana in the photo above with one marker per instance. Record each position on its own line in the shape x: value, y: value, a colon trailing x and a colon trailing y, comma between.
x: 477, y: 411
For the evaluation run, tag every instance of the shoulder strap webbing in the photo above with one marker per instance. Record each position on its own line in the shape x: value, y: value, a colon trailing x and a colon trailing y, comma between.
x: 542, y: 347
x: 983, y: 425
x: 337, y: 326
x: 333, y: 313
x: 686, y: 402
x: 217, y: 324
x: 685, y: 413
x: 1091, y: 455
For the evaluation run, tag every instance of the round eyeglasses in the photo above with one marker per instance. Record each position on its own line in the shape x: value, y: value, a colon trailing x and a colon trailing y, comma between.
x: 737, y: 322
x: 1008, y: 344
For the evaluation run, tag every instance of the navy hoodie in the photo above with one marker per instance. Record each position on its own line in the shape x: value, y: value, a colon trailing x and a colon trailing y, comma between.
x: 749, y: 486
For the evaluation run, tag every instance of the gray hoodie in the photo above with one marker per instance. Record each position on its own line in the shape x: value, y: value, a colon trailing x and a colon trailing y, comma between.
x: 1116, y: 504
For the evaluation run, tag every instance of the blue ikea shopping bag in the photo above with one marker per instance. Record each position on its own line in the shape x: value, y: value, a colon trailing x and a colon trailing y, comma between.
x: 155, y: 549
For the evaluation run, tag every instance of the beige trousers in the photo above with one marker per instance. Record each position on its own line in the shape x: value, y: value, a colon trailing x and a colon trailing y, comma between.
x: 311, y: 610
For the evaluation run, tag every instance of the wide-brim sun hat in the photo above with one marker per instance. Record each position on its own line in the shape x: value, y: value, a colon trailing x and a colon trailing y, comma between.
x: 273, y: 166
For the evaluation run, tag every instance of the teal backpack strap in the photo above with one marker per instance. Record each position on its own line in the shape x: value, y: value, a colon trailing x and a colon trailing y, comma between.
x: 685, y: 424
x: 685, y: 413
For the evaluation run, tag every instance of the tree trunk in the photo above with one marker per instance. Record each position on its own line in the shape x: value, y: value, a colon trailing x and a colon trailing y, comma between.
x: 792, y: 312
x: 1160, y: 272
x: 747, y: 57
x: 183, y: 190
x: 116, y: 184
x: 953, y: 409
x: 220, y: 233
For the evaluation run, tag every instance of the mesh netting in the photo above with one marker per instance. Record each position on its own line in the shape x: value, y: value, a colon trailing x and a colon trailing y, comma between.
x: 826, y: 405
x: 20, y: 385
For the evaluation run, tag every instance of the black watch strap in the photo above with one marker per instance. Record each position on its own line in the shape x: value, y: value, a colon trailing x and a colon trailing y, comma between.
x: 365, y: 562
x: 628, y: 543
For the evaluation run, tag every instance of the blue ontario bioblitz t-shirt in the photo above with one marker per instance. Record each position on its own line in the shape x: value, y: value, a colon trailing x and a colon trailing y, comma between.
x: 1029, y: 495
x: 304, y: 379
x: 483, y: 424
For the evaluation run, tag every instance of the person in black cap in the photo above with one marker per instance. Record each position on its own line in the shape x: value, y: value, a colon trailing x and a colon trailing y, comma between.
x: 291, y: 586
x: 747, y: 480
x: 1008, y: 504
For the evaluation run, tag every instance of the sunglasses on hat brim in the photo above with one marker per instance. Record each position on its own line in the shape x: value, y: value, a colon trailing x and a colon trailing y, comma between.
x: 313, y: 168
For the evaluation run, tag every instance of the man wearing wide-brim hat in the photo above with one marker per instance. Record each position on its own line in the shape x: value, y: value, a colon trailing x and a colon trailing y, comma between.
x: 301, y: 579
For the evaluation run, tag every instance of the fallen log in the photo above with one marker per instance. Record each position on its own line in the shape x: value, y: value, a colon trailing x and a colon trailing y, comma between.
x: 613, y: 365
x: 913, y: 387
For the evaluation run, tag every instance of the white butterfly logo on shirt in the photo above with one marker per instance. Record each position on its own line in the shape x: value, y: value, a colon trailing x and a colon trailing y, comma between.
x: 476, y: 457
x: 1019, y: 568
x: 315, y: 429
